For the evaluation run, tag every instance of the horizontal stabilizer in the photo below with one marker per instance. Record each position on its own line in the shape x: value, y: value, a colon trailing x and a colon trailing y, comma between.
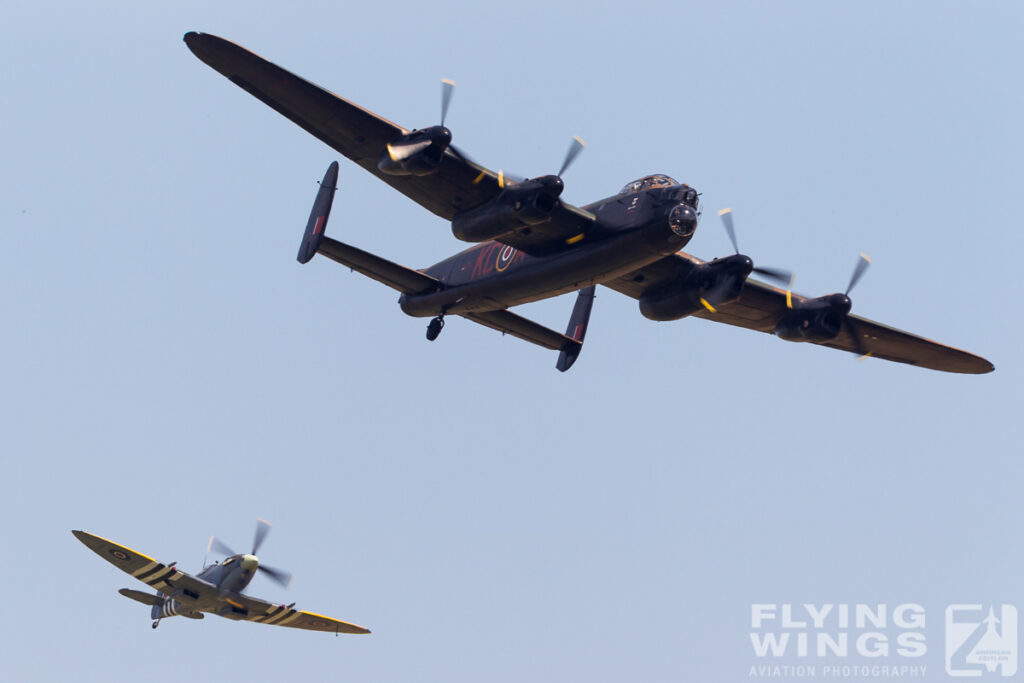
x: 398, y: 277
x: 139, y: 596
x: 527, y: 330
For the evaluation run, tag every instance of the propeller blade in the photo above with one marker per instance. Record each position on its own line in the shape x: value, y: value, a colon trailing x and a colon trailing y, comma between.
x: 858, y: 340
x: 277, y: 575
x: 717, y: 294
x: 262, y: 529
x: 402, y: 152
x: 777, y: 274
x: 789, y: 291
x: 219, y: 546
x: 575, y: 147
x: 862, y: 265
x: 460, y: 154
x: 447, y: 88
x: 507, y: 179
x: 726, y: 215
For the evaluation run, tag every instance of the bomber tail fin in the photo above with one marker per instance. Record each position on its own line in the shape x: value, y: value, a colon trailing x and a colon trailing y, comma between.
x: 317, y: 223
x: 577, y: 328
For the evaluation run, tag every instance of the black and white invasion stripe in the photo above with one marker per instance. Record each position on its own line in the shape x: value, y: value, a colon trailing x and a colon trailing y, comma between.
x: 169, y: 608
x: 278, y: 615
x: 157, y: 575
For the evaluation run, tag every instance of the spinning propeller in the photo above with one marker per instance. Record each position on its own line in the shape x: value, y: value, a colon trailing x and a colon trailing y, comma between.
x: 554, y: 182
x: 262, y: 529
x: 421, y: 151
x: 735, y: 269
x: 862, y: 265
x: 776, y: 274
x: 832, y: 311
x: 447, y: 90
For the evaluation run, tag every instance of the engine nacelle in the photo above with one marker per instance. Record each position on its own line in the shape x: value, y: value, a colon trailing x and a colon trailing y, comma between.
x: 524, y: 204
x: 814, y: 320
x: 417, y: 153
x: 720, y: 280
x: 670, y: 303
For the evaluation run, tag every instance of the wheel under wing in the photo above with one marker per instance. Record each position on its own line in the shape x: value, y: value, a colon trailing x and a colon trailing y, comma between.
x: 760, y: 307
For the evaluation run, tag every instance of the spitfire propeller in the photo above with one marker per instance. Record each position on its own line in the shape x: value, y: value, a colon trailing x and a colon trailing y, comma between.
x: 262, y: 529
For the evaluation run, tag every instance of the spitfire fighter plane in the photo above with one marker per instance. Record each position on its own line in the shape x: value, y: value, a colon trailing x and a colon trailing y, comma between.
x: 217, y: 589
x: 531, y: 245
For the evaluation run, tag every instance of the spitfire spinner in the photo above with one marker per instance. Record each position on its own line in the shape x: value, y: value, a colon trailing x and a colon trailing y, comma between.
x: 217, y: 589
x: 532, y: 245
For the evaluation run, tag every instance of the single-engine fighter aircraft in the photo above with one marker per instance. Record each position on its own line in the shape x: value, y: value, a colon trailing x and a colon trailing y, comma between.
x: 217, y: 589
x: 532, y: 245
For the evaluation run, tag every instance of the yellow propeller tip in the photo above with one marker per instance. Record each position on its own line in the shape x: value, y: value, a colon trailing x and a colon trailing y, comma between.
x: 724, y: 211
x: 448, y: 81
x: 865, y: 257
x: 578, y: 139
x: 866, y: 355
x: 708, y: 306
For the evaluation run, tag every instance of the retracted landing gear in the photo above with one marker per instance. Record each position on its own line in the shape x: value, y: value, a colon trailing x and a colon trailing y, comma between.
x: 435, y: 327
x: 156, y: 623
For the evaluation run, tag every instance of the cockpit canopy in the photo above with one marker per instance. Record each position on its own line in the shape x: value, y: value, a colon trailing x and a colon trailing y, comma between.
x: 656, y: 180
x: 680, y: 192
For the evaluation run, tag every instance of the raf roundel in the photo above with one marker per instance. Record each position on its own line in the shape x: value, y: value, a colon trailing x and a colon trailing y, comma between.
x: 119, y: 554
x: 504, y: 258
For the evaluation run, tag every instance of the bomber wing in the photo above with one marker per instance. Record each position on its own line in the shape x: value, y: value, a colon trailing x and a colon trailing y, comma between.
x: 263, y: 612
x: 761, y: 306
x: 457, y: 185
x: 162, y: 577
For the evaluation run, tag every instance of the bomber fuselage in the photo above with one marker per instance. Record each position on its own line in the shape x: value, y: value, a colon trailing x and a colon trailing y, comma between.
x: 637, y: 228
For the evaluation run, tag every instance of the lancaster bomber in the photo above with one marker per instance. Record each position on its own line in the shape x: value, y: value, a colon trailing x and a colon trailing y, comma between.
x: 531, y: 245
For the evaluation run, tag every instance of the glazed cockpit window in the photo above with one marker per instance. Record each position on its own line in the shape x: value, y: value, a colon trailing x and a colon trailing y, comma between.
x: 658, y: 181
x: 648, y: 182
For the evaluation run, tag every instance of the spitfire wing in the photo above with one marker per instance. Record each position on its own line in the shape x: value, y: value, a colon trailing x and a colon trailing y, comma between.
x: 761, y: 306
x: 263, y: 612
x: 457, y: 185
x: 164, y: 578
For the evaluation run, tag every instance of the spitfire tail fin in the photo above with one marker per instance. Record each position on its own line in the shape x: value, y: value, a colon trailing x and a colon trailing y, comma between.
x: 317, y: 223
x: 577, y: 328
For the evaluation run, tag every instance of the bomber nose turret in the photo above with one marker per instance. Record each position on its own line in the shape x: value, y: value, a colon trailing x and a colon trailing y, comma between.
x: 682, y: 220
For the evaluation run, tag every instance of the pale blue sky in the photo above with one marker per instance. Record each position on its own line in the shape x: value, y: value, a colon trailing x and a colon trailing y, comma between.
x: 171, y: 372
